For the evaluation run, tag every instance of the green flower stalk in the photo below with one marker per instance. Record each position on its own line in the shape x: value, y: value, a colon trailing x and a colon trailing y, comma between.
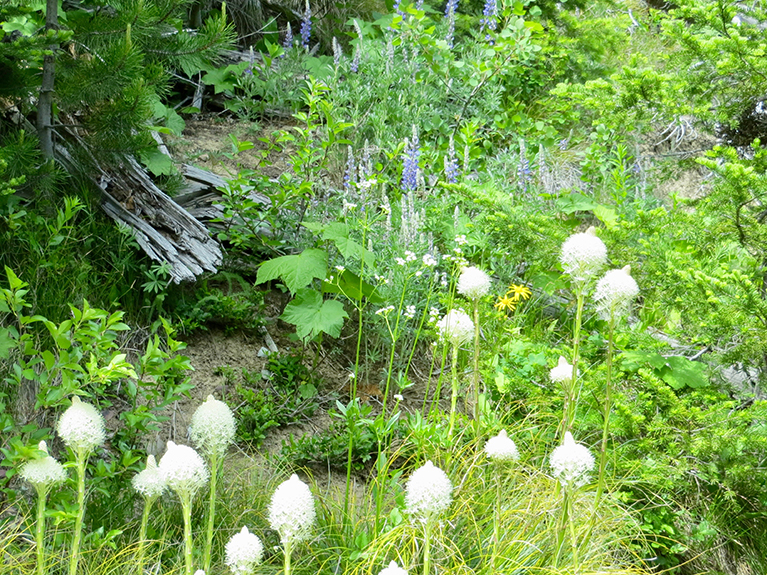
x: 457, y: 329
x: 43, y: 474
x: 81, y: 427
x: 150, y: 485
x: 292, y: 515
x: 184, y: 472
x: 500, y: 450
x: 428, y: 495
x: 474, y: 284
x: 212, y: 430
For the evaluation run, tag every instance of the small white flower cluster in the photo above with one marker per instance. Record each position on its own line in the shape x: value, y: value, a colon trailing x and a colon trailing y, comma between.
x: 393, y: 569
x: 183, y: 470
x: 381, y: 279
x: 244, y: 551
x: 385, y: 310
x: 429, y: 261
x: 562, y: 373
x: 615, y: 293
x: 410, y: 312
x: 149, y: 482
x: 341, y: 269
x: 43, y: 473
x: 291, y: 511
x: 433, y: 314
x: 81, y: 427
x: 571, y: 463
x: 409, y: 257
x: 456, y: 327
x: 429, y: 493
x: 473, y: 283
x: 583, y: 255
x: 501, y: 448
x: 461, y: 240
x: 213, y: 427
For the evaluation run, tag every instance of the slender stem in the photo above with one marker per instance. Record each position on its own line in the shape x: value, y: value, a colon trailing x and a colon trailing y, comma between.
x: 394, y: 337
x: 476, y: 366
x: 42, y: 493
x: 496, y: 518
x: 186, y: 508
x: 288, y: 552
x: 454, y: 396
x: 573, y: 539
x: 211, y: 511
x: 571, y: 399
x: 80, y: 460
x: 427, y: 547
x: 142, y: 535
x: 562, y: 526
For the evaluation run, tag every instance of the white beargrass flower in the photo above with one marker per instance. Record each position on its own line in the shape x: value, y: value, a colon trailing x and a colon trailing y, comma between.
x: 571, y: 463
x: 393, y: 569
x: 291, y: 512
x: 429, y: 493
x: 213, y: 427
x: 244, y: 551
x: 583, y: 255
x: 562, y: 373
x: 456, y: 327
x: 473, y: 283
x: 199, y: 572
x: 81, y: 427
x: 615, y: 293
x: 183, y: 470
x: 501, y: 448
x: 149, y: 482
x: 43, y: 473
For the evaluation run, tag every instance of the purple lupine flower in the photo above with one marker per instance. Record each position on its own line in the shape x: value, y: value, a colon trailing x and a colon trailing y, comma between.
x: 488, y: 21
x: 564, y: 143
x: 350, y: 172
x: 389, y: 54
x: 366, y: 163
x: 450, y: 8
x: 251, y: 61
x: 355, y: 65
x: 287, y: 43
x: 524, y: 173
x: 397, y: 9
x: 410, y: 166
x: 419, y: 5
x: 451, y: 164
x: 337, y: 53
x: 306, y: 26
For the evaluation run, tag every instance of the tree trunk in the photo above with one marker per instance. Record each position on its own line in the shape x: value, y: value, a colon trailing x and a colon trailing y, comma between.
x: 45, y: 102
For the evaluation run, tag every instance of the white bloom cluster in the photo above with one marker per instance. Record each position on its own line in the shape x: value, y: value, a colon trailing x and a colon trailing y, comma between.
x: 244, y: 551
x: 183, y: 470
x: 571, y: 463
x: 149, y: 482
x: 81, y: 427
x: 456, y: 327
x: 562, y: 373
x: 213, y: 427
x: 429, y: 261
x: 429, y: 493
x: 461, y: 240
x: 433, y: 314
x: 393, y: 569
x: 583, y: 255
x: 473, y: 283
x: 385, y: 310
x: 199, y: 572
x: 501, y: 448
x: 410, y: 312
x: 43, y: 473
x: 615, y: 293
x: 291, y: 512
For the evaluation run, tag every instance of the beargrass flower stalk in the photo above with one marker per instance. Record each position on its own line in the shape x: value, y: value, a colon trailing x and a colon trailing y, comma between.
x: 306, y: 26
x: 43, y: 474
x: 212, y: 430
x: 150, y: 485
x: 292, y: 514
x: 244, y: 552
x: 185, y: 473
x: 474, y: 284
x: 81, y: 427
x: 582, y: 257
x: 428, y: 495
x: 614, y: 294
x: 500, y: 450
x: 570, y: 464
x: 456, y: 328
x: 392, y: 569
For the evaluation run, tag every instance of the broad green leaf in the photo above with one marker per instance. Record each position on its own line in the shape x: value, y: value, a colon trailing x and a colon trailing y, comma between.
x: 681, y: 371
x: 575, y: 202
x: 7, y: 342
x: 312, y: 315
x: 297, y: 271
x: 349, y: 285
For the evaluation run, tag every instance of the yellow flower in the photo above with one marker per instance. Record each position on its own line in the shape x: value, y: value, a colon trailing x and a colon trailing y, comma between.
x: 506, y: 302
x: 519, y: 292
